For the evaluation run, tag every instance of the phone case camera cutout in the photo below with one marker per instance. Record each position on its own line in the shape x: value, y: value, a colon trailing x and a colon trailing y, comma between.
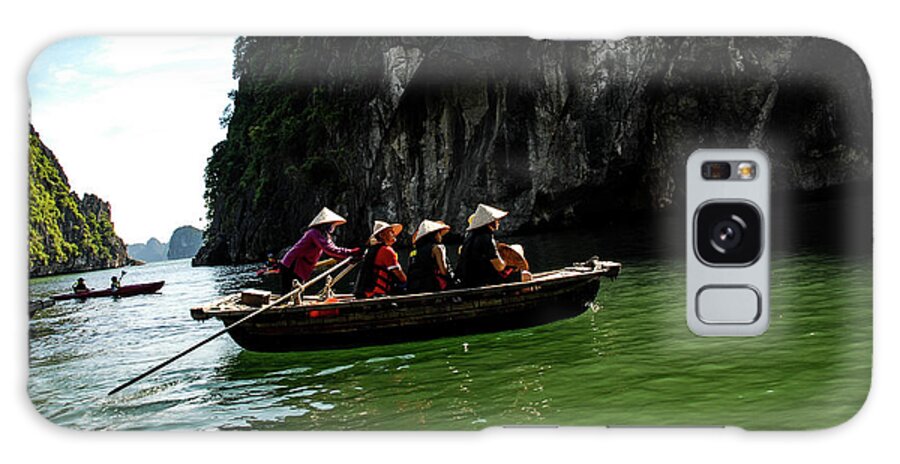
x: 728, y: 233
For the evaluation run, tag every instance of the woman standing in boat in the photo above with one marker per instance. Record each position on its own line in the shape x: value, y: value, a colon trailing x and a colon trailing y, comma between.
x: 299, y: 262
x: 428, y: 268
x: 381, y: 273
x: 480, y: 263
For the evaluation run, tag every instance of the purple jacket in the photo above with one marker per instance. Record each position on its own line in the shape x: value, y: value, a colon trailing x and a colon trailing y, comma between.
x: 303, y: 256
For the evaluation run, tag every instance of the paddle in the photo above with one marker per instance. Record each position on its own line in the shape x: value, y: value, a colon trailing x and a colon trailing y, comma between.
x: 121, y: 276
x: 320, y: 264
x: 226, y: 329
x: 325, y: 262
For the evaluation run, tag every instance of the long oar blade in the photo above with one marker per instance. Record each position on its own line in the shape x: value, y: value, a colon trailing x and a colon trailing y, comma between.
x: 226, y: 329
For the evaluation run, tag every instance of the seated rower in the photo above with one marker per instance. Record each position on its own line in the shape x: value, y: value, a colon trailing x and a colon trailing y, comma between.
x: 380, y: 273
x: 80, y: 286
x: 428, y: 268
x: 114, y: 283
x: 480, y: 262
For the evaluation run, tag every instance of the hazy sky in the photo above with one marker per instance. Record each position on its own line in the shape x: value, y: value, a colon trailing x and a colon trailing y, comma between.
x: 133, y: 120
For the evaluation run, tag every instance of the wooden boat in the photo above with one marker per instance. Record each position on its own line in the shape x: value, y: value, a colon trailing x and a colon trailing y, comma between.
x: 342, y: 321
x: 125, y: 290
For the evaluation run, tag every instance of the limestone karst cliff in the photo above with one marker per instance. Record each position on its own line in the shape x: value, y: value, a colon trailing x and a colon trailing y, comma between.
x: 558, y: 132
x: 67, y: 233
x: 184, y: 243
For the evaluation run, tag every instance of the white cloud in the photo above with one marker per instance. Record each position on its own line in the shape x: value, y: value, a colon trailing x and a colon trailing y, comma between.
x: 134, y: 123
x: 66, y: 75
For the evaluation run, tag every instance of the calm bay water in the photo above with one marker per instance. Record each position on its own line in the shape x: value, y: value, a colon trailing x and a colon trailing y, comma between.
x: 630, y: 361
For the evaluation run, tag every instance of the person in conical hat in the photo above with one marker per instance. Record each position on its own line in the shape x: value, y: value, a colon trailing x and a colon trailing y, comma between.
x: 298, y: 263
x: 384, y: 232
x: 380, y: 273
x: 486, y: 215
x: 327, y: 216
x: 429, y: 270
x: 480, y: 262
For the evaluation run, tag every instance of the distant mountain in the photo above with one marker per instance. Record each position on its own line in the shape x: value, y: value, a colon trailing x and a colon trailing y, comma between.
x: 151, y: 251
x: 66, y: 233
x: 185, y: 242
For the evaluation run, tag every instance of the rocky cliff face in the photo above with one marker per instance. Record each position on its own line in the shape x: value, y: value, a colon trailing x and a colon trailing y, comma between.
x: 557, y: 132
x: 185, y: 242
x: 66, y: 233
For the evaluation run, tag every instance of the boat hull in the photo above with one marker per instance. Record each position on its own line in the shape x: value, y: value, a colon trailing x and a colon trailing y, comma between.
x: 125, y: 290
x: 378, y: 321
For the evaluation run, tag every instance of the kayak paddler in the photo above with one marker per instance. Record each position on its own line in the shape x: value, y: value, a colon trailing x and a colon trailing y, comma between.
x: 299, y: 262
x: 80, y: 286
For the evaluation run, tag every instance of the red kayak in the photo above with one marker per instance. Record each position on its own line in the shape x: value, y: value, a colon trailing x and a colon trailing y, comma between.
x: 125, y: 290
x: 267, y: 271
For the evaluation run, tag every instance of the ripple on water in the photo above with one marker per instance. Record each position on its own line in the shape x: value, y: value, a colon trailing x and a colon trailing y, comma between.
x: 334, y: 370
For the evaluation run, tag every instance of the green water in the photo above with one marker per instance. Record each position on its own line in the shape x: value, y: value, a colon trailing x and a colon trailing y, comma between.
x: 629, y: 361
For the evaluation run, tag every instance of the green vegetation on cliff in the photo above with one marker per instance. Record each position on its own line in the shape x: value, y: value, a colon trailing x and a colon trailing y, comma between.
x: 279, y: 129
x: 66, y: 234
x: 48, y: 197
x: 286, y: 144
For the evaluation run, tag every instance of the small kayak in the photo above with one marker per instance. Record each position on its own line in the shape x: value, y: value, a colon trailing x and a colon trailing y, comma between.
x: 125, y: 290
x: 267, y: 271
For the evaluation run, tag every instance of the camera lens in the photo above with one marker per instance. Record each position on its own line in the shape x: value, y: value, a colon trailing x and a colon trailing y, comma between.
x: 728, y: 233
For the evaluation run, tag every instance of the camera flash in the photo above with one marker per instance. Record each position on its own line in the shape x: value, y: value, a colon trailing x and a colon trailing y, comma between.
x: 746, y: 170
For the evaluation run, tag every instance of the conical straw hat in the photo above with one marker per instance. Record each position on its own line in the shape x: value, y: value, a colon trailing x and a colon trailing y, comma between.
x: 327, y: 216
x: 428, y: 226
x: 513, y: 255
x: 485, y: 215
x: 381, y: 225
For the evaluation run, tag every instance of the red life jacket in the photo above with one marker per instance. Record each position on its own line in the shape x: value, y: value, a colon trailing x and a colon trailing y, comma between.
x: 373, y: 279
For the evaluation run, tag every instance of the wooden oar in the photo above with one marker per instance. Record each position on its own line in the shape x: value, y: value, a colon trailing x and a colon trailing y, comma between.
x: 226, y: 329
x: 325, y: 262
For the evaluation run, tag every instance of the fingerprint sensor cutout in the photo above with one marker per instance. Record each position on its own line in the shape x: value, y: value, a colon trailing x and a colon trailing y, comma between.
x: 728, y: 305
